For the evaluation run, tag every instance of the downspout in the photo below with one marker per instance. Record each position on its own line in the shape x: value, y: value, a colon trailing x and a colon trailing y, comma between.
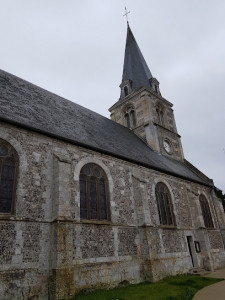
x: 217, y: 220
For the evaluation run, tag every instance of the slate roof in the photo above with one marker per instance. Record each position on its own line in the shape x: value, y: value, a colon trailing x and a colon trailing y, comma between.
x: 29, y: 106
x: 135, y: 67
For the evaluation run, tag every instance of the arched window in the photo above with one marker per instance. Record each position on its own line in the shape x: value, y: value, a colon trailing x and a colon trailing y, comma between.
x: 164, y: 204
x: 125, y: 91
x: 206, y: 212
x: 8, y: 177
x: 130, y: 118
x: 94, y: 202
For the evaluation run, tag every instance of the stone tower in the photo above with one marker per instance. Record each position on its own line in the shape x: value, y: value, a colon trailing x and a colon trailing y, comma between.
x: 141, y: 106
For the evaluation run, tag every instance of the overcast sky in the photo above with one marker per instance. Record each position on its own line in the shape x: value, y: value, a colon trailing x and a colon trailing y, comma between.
x: 76, y: 49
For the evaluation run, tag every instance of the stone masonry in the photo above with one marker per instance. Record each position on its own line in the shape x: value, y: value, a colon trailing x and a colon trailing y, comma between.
x: 47, y: 252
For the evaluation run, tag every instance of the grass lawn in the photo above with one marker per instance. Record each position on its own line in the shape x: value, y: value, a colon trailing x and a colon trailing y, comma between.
x: 172, y: 288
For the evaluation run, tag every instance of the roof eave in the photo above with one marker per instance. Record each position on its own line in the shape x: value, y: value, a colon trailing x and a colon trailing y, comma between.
x: 101, y: 151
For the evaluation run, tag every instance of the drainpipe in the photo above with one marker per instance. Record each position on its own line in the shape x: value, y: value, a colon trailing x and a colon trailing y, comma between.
x: 217, y: 220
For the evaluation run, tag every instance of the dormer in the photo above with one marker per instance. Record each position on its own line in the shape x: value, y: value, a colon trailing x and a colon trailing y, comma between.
x: 155, y: 85
x: 126, y: 88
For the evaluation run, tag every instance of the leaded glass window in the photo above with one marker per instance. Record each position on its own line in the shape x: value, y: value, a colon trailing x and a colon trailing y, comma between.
x: 164, y: 204
x: 8, y: 173
x: 94, y: 202
x: 206, y: 212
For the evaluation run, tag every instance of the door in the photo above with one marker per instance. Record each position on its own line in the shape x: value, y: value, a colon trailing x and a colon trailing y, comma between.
x: 192, y: 252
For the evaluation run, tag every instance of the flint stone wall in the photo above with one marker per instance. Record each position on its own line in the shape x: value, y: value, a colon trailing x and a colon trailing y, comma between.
x: 47, y: 252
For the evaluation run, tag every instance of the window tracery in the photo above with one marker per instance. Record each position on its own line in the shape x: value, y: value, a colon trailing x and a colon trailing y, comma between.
x: 94, y: 202
x: 207, y: 217
x: 8, y: 177
x: 164, y: 204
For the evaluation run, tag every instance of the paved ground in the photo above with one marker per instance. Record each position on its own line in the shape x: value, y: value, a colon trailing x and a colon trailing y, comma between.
x: 215, y: 291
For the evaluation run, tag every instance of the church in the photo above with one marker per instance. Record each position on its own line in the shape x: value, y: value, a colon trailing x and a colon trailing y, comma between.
x: 88, y: 202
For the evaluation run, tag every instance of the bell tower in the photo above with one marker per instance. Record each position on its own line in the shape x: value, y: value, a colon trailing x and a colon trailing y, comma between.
x: 141, y: 106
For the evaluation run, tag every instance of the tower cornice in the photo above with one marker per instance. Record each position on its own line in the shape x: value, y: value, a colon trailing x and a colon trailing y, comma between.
x: 134, y: 94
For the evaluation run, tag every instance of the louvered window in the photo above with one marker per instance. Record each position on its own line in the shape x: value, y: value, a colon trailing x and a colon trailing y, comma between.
x: 127, y: 119
x: 8, y: 174
x: 164, y: 203
x: 206, y: 212
x: 94, y: 202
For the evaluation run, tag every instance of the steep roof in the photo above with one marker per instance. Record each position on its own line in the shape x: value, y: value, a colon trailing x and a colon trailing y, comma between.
x: 135, y: 67
x: 29, y: 106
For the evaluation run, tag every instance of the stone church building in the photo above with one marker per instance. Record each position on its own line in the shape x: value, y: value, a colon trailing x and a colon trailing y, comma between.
x: 88, y: 202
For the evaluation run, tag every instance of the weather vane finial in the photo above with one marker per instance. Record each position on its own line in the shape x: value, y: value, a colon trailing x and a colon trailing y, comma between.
x: 126, y: 13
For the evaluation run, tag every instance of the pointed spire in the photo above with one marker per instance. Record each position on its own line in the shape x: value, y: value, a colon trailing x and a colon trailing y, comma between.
x: 135, y: 67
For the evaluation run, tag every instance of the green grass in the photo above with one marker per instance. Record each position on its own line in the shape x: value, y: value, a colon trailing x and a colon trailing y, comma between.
x: 172, y: 288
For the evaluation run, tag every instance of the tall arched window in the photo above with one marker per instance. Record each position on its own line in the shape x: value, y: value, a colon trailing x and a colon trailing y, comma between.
x: 94, y: 202
x: 164, y: 204
x: 129, y: 116
x: 206, y: 212
x: 8, y: 177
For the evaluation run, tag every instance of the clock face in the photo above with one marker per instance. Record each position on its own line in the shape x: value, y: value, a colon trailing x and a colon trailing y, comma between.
x: 167, y: 146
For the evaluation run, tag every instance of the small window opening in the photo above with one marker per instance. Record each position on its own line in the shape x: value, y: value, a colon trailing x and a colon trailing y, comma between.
x: 132, y: 114
x: 125, y: 91
x: 127, y: 118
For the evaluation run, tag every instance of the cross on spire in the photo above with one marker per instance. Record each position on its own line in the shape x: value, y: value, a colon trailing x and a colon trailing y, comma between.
x: 126, y: 13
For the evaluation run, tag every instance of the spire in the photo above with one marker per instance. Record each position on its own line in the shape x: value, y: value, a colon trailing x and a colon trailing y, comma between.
x: 135, y: 68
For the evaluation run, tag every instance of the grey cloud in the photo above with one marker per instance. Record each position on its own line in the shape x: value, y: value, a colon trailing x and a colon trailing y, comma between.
x: 76, y: 48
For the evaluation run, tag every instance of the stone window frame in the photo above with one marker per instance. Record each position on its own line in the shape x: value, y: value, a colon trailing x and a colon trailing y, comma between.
x: 206, y: 212
x: 93, y: 176
x: 89, y: 158
x: 130, y: 119
x: 11, y: 154
x: 165, y: 222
